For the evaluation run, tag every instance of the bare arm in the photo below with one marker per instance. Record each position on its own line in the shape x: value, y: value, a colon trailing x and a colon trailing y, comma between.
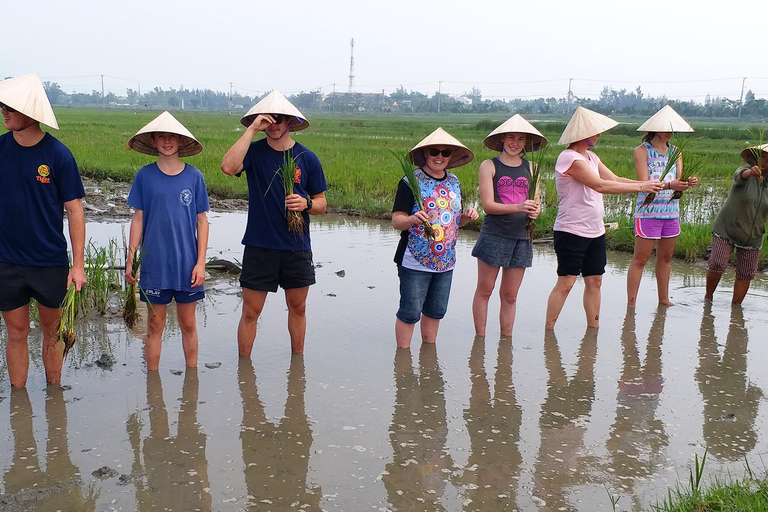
x: 640, y: 157
x: 76, y: 221
x: 232, y: 163
x: 198, y: 272
x: 490, y: 206
x: 134, y: 241
x: 581, y: 172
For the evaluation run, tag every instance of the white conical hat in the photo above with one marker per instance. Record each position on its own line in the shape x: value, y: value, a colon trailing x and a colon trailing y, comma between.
x: 516, y: 124
x: 753, y: 154
x: 461, y: 153
x: 665, y: 120
x: 26, y: 94
x: 165, y: 123
x: 585, y: 124
x: 276, y: 103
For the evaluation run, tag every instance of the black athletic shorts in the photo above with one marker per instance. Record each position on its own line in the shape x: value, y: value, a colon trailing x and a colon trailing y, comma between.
x: 578, y: 255
x: 18, y: 284
x: 265, y: 269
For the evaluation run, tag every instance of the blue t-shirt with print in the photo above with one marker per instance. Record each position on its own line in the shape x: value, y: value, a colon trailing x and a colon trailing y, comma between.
x: 267, y: 226
x: 35, y: 182
x: 170, y: 206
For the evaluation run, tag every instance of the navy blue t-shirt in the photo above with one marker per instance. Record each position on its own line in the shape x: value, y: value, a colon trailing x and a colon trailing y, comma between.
x: 35, y: 182
x: 267, y: 220
x: 169, y: 205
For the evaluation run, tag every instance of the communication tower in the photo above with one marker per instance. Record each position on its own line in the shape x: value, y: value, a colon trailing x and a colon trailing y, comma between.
x: 352, y: 66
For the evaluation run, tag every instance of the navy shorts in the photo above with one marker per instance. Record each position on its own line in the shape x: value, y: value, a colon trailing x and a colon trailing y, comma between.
x: 423, y: 293
x: 498, y: 251
x: 578, y: 255
x: 266, y: 269
x: 47, y: 285
x: 162, y: 297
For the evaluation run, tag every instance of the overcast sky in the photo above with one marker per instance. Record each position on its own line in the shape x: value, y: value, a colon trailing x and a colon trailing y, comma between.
x: 505, y: 48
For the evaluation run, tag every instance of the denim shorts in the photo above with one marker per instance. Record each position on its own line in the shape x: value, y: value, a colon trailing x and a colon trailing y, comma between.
x: 498, y: 251
x: 423, y: 293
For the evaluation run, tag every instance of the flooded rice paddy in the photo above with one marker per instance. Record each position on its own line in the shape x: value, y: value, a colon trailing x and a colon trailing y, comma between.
x: 541, y: 421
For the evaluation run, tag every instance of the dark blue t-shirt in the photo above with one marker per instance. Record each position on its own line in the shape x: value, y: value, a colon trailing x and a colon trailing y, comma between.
x: 170, y: 205
x: 35, y: 182
x: 267, y: 220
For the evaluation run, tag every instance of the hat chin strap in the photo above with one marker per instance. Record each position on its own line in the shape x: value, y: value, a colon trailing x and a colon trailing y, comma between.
x: 287, y: 129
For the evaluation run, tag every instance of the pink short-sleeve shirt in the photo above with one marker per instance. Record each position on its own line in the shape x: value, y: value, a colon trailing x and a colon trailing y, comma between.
x: 580, y: 209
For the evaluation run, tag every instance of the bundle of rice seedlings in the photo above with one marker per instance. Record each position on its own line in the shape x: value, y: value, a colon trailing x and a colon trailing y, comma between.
x: 759, y: 135
x: 675, y: 153
x: 289, y: 174
x: 692, y: 167
x: 413, y: 184
x: 130, y: 304
x: 69, y: 307
x: 535, y: 165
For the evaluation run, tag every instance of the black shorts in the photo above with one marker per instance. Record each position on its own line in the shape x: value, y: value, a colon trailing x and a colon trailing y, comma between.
x: 265, y: 269
x: 47, y: 285
x: 578, y: 255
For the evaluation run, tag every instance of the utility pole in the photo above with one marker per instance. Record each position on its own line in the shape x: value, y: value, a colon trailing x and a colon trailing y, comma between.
x: 333, y: 103
x: 103, y: 99
x: 138, y: 100
x: 439, y: 94
x: 741, y: 100
x: 570, y: 95
x: 230, y: 95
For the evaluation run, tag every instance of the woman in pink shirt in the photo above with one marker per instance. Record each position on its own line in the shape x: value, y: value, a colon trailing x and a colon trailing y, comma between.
x: 579, y: 233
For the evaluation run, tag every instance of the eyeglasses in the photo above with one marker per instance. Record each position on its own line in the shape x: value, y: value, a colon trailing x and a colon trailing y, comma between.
x: 445, y: 152
x: 6, y: 107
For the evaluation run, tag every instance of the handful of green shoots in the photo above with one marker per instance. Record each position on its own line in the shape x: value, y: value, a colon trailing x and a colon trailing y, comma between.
x: 69, y: 308
x: 692, y: 167
x: 759, y: 134
x: 535, y: 164
x: 130, y: 306
x: 674, y: 154
x: 413, y: 184
x: 289, y: 174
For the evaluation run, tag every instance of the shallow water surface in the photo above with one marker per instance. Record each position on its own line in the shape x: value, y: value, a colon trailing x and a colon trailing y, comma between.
x: 541, y: 421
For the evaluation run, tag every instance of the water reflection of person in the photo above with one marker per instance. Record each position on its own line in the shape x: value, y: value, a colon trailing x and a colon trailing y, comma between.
x: 276, y: 456
x: 637, y: 438
x: 61, y: 477
x: 176, y: 467
x: 730, y: 399
x: 565, y: 414
x: 493, y: 423
x: 421, y: 466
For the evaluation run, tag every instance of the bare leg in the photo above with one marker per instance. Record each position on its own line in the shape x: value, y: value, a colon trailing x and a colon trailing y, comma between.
x: 296, y: 300
x: 713, y: 279
x: 643, y: 249
x: 52, y: 349
x: 154, y: 342
x: 664, y: 252
x: 403, y: 333
x: 429, y: 329
x: 486, y: 280
x: 740, y: 288
x: 557, y: 298
x: 188, y: 326
x: 511, y: 278
x: 17, y: 348
x: 253, y: 304
x: 592, y: 299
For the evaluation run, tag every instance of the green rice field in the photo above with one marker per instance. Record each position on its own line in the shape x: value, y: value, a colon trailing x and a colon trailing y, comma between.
x: 362, y: 173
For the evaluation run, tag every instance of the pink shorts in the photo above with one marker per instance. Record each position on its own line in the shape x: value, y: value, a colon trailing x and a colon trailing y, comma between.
x: 655, y: 229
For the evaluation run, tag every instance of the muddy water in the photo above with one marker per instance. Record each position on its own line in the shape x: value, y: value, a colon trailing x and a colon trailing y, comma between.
x: 538, y: 422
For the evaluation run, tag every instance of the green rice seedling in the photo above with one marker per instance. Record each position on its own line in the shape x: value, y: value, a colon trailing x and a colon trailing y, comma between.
x: 675, y: 153
x: 130, y: 306
x: 535, y: 165
x: 413, y: 184
x: 69, y: 308
x: 289, y: 173
x: 102, y: 277
x: 692, y: 166
x: 759, y: 135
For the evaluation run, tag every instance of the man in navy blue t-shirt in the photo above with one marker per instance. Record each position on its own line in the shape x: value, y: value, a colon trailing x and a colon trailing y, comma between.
x: 277, y: 244
x: 39, y: 179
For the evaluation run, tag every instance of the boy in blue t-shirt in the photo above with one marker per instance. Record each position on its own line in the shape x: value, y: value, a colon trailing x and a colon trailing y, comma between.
x: 170, y: 226
x: 39, y: 180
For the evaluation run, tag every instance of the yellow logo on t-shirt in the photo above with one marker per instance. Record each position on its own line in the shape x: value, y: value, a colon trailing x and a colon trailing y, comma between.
x: 43, y: 173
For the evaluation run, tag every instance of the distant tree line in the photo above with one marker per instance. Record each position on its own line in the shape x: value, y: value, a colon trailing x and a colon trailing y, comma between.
x: 611, y: 101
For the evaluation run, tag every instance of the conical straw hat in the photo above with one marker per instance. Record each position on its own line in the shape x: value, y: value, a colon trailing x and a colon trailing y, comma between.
x: 516, y: 124
x: 26, y: 94
x: 164, y: 123
x: 585, y: 124
x: 753, y: 154
x: 276, y: 103
x: 461, y: 153
x: 665, y: 120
